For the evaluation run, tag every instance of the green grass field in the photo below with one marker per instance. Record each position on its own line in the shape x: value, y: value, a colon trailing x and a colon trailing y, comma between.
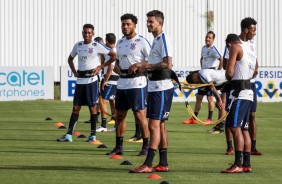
x: 29, y: 152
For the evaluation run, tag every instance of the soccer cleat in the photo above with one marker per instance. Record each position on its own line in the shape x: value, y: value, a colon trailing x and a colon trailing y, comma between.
x: 256, y: 152
x: 91, y: 138
x: 134, y: 139
x: 144, y: 151
x: 208, y: 121
x: 215, y: 130
x: 115, y: 151
x: 112, y: 129
x: 101, y: 129
x: 230, y: 151
x: 142, y: 169
x: 111, y: 122
x: 247, y: 169
x: 189, y: 121
x: 233, y: 169
x: 161, y: 168
x: 65, y: 138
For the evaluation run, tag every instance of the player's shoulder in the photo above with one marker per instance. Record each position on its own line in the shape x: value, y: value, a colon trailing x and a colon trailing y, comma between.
x: 79, y: 44
x: 142, y: 40
x: 120, y: 41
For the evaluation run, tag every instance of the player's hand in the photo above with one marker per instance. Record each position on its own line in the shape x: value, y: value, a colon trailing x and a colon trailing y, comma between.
x: 132, y: 69
x: 97, y: 70
x: 219, y: 105
x: 105, y: 83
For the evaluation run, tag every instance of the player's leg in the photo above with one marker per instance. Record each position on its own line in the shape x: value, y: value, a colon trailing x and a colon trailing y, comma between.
x: 78, y: 100
x: 211, y: 105
x: 122, y: 105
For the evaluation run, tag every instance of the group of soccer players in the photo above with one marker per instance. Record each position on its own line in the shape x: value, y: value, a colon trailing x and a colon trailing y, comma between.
x: 136, y: 73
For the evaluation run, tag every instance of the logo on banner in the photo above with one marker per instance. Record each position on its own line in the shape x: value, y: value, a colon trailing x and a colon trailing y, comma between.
x: 22, y: 83
x: 269, y: 90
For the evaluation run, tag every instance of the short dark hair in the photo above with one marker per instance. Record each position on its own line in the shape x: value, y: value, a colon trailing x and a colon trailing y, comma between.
x: 88, y: 26
x: 98, y: 39
x: 189, y: 78
x: 211, y: 32
x: 247, y: 22
x: 231, y: 37
x: 158, y: 14
x: 111, y: 38
x: 129, y: 16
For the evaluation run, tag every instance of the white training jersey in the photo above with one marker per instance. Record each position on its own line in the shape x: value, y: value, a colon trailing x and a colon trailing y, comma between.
x: 251, y: 54
x: 210, y: 57
x: 217, y: 77
x: 89, y: 57
x: 243, y: 72
x: 129, y: 52
x: 107, y: 57
x: 162, y: 47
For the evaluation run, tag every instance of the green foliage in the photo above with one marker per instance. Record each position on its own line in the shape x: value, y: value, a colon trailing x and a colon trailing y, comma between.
x: 30, y: 154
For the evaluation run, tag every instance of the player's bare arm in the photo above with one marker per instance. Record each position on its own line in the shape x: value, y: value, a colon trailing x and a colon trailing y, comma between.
x: 112, y: 59
x: 71, y: 64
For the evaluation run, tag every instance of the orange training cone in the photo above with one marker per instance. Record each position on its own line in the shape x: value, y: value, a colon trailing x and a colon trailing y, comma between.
x: 95, y: 142
x: 117, y: 157
x: 154, y: 176
x: 58, y: 124
x: 76, y: 133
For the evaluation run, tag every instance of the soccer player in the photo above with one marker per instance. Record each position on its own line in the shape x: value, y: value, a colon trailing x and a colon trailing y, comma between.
x: 209, y: 76
x: 108, y: 83
x: 132, y: 50
x: 239, y: 73
x: 86, y: 90
x: 248, y: 31
x: 210, y: 59
x: 160, y: 93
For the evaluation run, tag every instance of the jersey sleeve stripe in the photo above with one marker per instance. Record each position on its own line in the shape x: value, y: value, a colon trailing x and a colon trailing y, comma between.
x: 165, y: 46
x: 104, y: 45
x: 146, y: 40
x: 203, y: 79
x: 216, y: 51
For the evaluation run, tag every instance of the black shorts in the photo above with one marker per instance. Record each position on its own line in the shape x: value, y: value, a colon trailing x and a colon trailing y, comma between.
x: 205, y: 91
x: 86, y: 94
x: 131, y: 98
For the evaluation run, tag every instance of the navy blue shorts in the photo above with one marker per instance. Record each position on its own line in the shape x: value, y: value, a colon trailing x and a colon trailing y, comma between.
x: 86, y: 94
x: 254, y: 104
x: 159, y: 104
x: 204, y: 91
x: 109, y: 92
x: 131, y: 98
x: 239, y: 114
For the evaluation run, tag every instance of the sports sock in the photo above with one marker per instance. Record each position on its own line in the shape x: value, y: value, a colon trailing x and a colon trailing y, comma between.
x: 254, y: 142
x: 163, y: 156
x: 104, y: 122
x: 238, y: 158
x: 210, y: 115
x: 150, y: 157
x: 196, y: 113
x: 119, y: 142
x: 137, y: 130
x: 229, y: 144
x: 94, y: 118
x: 145, y: 142
x: 246, y: 159
x: 72, y: 123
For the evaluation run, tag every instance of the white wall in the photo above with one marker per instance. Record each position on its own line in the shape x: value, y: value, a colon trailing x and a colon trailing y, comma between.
x: 43, y: 32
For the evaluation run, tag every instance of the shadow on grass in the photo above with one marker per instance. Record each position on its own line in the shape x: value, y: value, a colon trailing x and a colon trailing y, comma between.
x: 63, y: 168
